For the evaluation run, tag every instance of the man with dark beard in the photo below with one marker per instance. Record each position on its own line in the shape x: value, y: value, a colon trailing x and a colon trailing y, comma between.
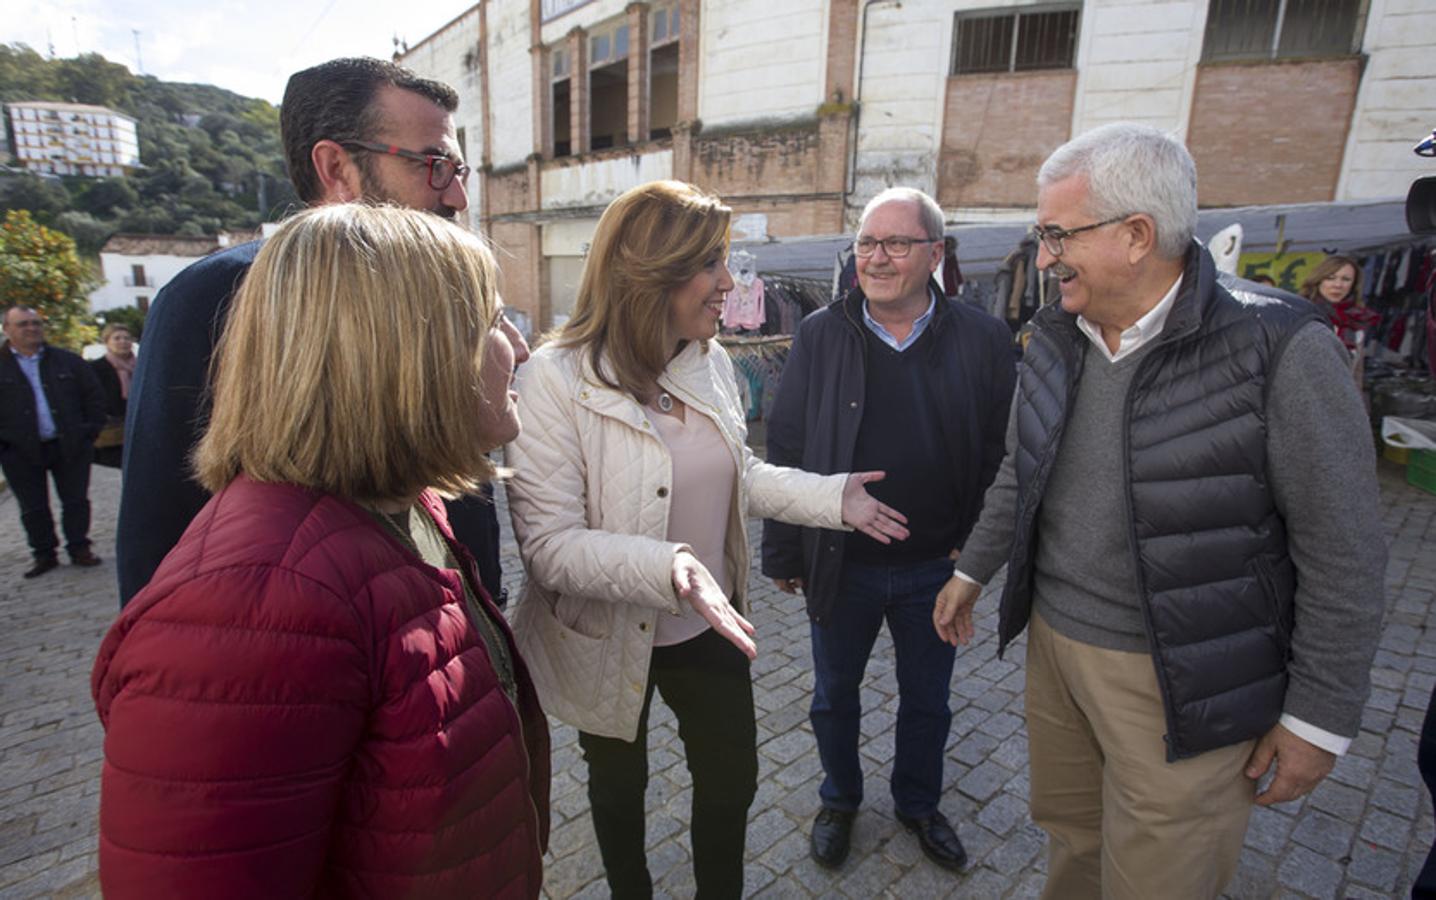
x: 353, y: 129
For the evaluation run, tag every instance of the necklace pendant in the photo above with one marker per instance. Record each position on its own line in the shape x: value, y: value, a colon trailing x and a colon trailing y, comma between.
x: 665, y: 402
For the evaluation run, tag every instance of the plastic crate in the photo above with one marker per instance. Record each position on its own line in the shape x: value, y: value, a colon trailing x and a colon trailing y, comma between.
x: 1421, y: 470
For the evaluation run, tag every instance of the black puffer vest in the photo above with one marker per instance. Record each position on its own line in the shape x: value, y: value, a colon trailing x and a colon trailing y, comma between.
x: 1208, y: 546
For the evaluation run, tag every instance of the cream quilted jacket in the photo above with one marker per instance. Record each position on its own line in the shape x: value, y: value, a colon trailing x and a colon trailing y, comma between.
x: 589, y: 500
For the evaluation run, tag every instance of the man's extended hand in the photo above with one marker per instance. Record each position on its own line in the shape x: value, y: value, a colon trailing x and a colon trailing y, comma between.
x: 1300, y: 766
x: 952, y: 613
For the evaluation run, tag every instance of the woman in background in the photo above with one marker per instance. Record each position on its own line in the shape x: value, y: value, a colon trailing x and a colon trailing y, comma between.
x: 631, y: 488
x: 114, y: 371
x: 1334, y: 285
x: 314, y: 696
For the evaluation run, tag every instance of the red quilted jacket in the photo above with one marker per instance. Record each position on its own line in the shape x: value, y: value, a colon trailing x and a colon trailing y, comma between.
x: 297, y: 706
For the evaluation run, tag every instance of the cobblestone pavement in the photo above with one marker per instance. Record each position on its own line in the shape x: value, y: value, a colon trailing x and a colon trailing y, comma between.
x: 1363, y: 833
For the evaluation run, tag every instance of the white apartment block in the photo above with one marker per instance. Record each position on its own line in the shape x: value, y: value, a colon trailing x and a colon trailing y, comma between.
x: 73, y: 139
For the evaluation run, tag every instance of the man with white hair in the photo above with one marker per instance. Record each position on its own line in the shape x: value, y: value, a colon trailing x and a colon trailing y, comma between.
x: 1188, y: 512
x: 893, y: 377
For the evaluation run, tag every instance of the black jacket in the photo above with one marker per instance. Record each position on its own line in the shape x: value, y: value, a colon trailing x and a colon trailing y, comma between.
x: 1215, y: 578
x: 74, y: 398
x: 819, y: 407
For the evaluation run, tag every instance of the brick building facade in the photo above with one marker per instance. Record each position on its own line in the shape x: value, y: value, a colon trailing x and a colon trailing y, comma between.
x: 797, y: 112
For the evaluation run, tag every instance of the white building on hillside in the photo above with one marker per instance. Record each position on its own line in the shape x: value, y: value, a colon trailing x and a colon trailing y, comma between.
x: 73, y: 138
x: 136, y: 266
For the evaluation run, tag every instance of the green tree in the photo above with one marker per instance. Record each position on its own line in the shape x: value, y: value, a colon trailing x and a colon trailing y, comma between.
x: 44, y: 198
x: 132, y: 317
x: 39, y: 268
x: 89, y: 232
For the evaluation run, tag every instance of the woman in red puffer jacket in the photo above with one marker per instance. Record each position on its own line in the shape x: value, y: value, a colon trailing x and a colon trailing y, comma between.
x: 314, y: 696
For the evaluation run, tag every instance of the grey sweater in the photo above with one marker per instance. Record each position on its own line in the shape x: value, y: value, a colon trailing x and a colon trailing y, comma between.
x: 1323, y: 476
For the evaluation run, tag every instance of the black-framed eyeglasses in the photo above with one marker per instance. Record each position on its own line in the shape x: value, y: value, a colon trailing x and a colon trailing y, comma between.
x: 442, y: 170
x: 1052, y: 236
x: 894, y: 247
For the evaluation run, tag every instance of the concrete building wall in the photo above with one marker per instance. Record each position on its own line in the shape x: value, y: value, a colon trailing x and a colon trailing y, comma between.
x: 452, y: 56
x: 1396, y: 105
x: 761, y: 60
x: 586, y: 16
x: 511, y: 74
x: 1137, y: 61
x: 597, y: 182
x: 905, y: 51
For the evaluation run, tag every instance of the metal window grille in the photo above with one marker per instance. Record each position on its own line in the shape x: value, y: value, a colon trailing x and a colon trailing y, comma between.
x: 1036, y: 38
x: 1280, y: 29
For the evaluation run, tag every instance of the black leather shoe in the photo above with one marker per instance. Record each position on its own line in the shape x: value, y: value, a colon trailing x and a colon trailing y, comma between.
x: 85, y: 557
x: 42, y: 565
x: 832, y: 831
x: 938, y: 840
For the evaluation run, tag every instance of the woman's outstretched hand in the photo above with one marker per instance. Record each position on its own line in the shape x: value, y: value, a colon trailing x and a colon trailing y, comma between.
x: 695, y: 584
x: 861, y: 510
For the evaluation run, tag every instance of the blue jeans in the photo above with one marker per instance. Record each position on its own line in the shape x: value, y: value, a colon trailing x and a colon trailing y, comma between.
x: 904, y: 596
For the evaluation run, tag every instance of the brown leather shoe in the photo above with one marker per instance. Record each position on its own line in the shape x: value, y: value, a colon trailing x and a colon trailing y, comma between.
x: 42, y: 565
x: 85, y: 558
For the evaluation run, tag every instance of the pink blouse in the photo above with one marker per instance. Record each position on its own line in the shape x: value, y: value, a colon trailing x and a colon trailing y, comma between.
x: 698, y: 507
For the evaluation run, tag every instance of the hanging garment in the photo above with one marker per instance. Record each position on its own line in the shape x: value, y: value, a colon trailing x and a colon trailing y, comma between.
x: 743, y: 307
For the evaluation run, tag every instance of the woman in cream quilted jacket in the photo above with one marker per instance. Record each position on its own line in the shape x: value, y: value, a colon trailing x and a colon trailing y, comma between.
x: 631, y: 487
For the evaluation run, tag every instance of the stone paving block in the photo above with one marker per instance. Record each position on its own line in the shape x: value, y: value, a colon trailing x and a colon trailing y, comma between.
x: 1310, y: 873
x: 767, y: 828
x: 974, y: 748
x: 1017, y: 849
x: 1255, y: 876
x: 985, y: 780
x: 1327, y: 835
x: 1268, y: 830
x: 1002, y: 725
x: 1004, y: 813
x: 876, y: 722
x: 985, y: 882
x: 790, y: 849
x: 994, y: 701
x: 1374, y: 866
x: 787, y: 747
x: 1394, y: 797
x: 966, y: 719
x: 1354, y: 771
x: 1390, y: 679
x: 1338, y: 799
x: 1368, y: 745
x: 1386, y: 830
x: 1012, y: 752
x: 1383, y: 700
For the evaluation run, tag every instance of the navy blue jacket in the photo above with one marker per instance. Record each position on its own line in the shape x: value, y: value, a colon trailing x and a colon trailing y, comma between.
x: 819, y: 407
x: 165, y: 417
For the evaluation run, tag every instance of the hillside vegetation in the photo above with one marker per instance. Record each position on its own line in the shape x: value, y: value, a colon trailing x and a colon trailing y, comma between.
x: 212, y: 159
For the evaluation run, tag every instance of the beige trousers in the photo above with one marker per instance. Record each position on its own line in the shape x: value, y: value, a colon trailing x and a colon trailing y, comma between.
x: 1121, y: 821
